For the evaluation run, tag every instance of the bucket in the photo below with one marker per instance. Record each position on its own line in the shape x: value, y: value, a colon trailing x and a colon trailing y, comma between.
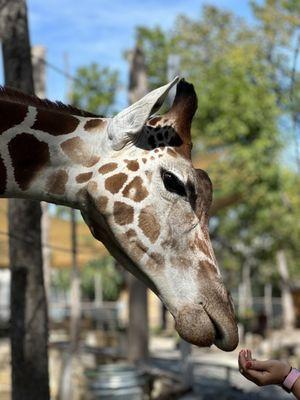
x: 117, y: 381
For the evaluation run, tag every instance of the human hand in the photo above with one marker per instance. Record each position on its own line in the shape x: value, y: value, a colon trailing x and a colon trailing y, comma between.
x: 270, y: 372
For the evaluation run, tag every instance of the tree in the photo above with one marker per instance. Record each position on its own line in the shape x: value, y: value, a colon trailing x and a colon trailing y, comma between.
x: 156, y: 48
x: 29, y: 326
x: 138, y: 329
x: 239, y: 74
x: 279, y: 25
x: 94, y: 89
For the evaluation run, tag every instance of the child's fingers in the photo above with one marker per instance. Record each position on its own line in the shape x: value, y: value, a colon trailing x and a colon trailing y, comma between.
x: 242, y: 360
x: 257, y: 365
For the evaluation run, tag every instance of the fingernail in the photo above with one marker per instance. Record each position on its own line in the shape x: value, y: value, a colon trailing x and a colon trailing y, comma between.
x: 248, y: 364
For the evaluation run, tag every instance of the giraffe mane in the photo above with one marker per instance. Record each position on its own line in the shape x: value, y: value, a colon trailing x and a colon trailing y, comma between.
x: 15, y: 96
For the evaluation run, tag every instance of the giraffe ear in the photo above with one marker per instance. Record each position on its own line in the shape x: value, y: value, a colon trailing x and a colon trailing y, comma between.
x: 128, y: 123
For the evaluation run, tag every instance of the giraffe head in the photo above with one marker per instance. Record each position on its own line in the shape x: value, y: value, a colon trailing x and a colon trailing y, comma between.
x: 150, y: 208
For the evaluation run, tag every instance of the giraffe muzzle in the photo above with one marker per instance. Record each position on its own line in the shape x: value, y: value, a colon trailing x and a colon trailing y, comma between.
x: 205, y: 325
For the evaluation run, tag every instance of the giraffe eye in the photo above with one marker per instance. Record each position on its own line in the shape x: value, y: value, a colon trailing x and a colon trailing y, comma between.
x: 172, y: 183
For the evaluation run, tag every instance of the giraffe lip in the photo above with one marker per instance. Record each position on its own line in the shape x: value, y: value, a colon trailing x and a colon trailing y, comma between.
x: 198, y: 326
x: 194, y: 325
x: 225, y: 328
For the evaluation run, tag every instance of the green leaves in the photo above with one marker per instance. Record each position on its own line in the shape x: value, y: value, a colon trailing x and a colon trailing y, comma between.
x: 94, y: 89
x: 243, y: 75
x: 111, y: 279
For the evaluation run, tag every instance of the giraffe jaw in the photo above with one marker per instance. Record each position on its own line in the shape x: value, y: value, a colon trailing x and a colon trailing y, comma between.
x: 195, y: 324
x: 202, y: 324
x: 102, y: 232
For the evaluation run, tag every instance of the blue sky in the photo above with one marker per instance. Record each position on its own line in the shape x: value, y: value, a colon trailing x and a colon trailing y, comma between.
x: 101, y: 30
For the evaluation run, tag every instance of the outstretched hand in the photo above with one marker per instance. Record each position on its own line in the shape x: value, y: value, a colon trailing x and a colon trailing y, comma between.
x: 270, y: 372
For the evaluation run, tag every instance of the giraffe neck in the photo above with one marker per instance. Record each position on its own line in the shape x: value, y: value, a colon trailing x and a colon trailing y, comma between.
x: 47, y: 154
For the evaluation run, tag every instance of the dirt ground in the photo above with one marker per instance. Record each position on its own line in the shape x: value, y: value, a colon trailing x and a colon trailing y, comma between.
x: 215, y: 373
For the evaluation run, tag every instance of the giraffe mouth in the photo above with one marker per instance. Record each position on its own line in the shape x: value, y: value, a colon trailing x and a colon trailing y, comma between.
x: 202, y: 326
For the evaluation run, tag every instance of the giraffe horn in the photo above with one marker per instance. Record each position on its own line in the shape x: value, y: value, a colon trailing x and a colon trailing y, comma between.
x: 183, y: 110
x: 128, y: 123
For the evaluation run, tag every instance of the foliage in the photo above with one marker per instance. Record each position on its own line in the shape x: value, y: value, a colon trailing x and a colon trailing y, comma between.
x: 156, y: 47
x: 111, y: 278
x: 60, y: 279
x: 94, y: 89
x: 243, y: 75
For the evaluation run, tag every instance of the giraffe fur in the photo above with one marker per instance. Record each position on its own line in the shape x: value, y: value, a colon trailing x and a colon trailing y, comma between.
x: 132, y: 178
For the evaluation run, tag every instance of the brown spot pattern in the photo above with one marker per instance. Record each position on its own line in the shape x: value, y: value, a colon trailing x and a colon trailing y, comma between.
x: 132, y: 165
x: 170, y: 242
x: 135, y: 190
x: 102, y: 203
x: 155, y: 262
x: 202, y: 246
x: 114, y: 183
x: 130, y: 233
x: 55, y: 123
x: 92, y: 186
x: 84, y: 177
x: 206, y: 270
x: 104, y: 169
x: 149, y: 224
x: 29, y: 155
x: 123, y: 213
x: 81, y: 194
x: 79, y: 152
x: 3, y: 177
x: 138, y: 249
x: 14, y: 115
x: 56, y: 183
x: 94, y: 124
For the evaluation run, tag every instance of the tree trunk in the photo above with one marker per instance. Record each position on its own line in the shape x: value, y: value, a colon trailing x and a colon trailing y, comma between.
x: 46, y: 248
x: 268, y: 303
x: 69, y: 389
x: 29, y: 326
x: 98, y: 290
x: 288, y: 310
x: 138, y: 330
x: 38, y: 56
x: 75, y: 289
x: 245, y: 290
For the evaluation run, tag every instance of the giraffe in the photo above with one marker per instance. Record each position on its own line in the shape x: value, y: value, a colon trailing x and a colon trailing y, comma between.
x: 132, y: 178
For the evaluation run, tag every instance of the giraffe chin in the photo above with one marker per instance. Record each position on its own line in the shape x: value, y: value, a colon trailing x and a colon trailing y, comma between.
x: 196, y: 326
